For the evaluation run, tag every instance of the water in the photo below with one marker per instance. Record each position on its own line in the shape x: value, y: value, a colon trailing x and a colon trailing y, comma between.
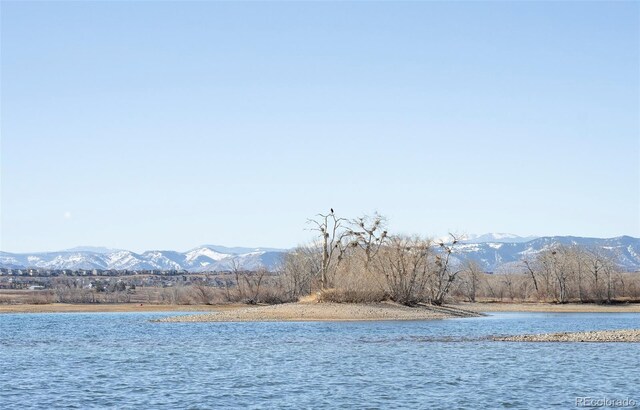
x: 122, y: 360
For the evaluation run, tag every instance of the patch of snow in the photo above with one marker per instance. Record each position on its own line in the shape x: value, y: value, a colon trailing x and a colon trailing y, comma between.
x: 194, y: 254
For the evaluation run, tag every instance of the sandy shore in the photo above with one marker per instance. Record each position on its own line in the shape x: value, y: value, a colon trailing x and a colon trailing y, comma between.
x: 549, y: 307
x: 473, y: 307
x: 323, y: 312
x: 626, y: 335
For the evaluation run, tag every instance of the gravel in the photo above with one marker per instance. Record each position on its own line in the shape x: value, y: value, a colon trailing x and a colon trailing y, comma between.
x: 625, y: 335
x: 321, y: 312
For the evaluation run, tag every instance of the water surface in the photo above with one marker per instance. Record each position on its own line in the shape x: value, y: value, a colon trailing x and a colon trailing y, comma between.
x: 122, y: 360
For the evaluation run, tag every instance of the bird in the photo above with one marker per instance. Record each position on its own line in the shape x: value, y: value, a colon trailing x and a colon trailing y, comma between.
x: 331, y: 210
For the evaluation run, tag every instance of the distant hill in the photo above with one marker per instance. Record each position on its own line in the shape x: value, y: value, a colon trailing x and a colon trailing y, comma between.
x: 494, y: 252
x: 506, y: 256
x: 200, y: 259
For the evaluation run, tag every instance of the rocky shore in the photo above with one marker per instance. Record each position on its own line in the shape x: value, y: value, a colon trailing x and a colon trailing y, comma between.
x: 324, y: 312
x: 626, y: 335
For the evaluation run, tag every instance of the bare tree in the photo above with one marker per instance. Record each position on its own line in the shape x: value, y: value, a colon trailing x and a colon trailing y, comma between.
x: 202, y: 294
x: 253, y: 281
x: 444, y: 274
x: 299, y: 269
x: 236, y: 269
x: 333, y: 236
x: 470, y: 279
x: 370, y: 234
x: 602, y: 270
x: 528, y: 266
x: 404, y: 265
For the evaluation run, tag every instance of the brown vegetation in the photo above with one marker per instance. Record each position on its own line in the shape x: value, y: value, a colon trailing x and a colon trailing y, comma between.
x: 558, y: 275
x: 358, y: 261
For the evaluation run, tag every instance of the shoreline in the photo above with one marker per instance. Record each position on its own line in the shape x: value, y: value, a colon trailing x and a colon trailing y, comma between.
x: 596, y: 336
x: 361, y: 312
x: 110, y: 308
x: 548, y: 307
x: 326, y: 312
x: 339, y: 311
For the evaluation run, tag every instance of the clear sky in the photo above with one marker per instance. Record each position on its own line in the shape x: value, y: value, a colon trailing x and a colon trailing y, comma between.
x: 162, y: 125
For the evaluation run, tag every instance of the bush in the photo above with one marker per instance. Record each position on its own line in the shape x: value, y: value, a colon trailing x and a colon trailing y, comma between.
x: 43, y: 298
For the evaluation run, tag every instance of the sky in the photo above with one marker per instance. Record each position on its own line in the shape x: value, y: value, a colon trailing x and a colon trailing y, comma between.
x: 167, y: 125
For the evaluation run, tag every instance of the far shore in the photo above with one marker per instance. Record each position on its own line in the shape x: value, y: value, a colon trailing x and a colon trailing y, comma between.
x: 301, y: 311
x: 110, y: 307
x: 549, y: 307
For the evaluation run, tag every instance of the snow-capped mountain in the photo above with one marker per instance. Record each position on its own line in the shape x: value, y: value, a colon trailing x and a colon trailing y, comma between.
x: 200, y: 259
x: 507, y: 256
x: 503, y: 252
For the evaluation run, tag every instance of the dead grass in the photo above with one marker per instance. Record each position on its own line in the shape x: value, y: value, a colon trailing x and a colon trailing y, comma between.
x: 120, y: 307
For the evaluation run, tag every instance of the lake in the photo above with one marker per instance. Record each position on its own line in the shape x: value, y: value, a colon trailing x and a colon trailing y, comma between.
x: 123, y: 360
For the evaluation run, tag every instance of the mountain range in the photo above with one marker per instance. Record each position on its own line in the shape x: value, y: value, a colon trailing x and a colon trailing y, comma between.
x: 496, y: 256
x: 494, y: 252
x: 203, y: 258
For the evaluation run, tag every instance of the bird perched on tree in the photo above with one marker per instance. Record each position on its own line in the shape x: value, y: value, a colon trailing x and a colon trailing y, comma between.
x: 331, y: 210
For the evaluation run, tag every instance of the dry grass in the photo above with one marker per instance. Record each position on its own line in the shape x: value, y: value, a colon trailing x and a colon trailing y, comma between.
x: 121, y: 307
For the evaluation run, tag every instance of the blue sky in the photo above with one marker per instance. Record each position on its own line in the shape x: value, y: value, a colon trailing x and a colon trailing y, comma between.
x: 161, y: 125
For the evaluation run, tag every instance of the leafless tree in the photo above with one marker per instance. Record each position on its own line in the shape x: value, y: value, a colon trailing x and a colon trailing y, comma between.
x: 202, y: 293
x: 299, y: 269
x: 470, y: 279
x: 444, y: 274
x: 404, y: 265
x: 602, y: 271
x: 236, y: 270
x: 253, y: 281
x: 529, y: 267
x: 370, y: 234
x: 333, y: 242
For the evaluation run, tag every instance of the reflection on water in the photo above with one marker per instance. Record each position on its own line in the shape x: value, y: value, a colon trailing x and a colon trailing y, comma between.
x: 123, y: 360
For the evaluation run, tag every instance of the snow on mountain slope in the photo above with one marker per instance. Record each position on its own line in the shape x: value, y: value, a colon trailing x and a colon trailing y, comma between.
x: 494, y: 256
x: 204, y: 253
x: 201, y: 259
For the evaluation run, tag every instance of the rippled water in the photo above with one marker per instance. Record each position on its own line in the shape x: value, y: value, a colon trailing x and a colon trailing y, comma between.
x: 122, y: 360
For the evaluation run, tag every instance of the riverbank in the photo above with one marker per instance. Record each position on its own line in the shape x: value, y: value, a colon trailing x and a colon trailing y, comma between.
x: 472, y: 307
x: 601, y: 336
x: 289, y: 312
